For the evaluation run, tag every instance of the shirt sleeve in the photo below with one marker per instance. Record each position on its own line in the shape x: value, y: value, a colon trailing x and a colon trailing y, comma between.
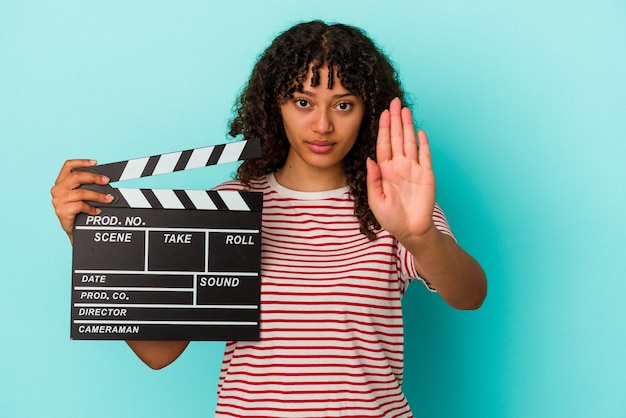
x: 404, y: 260
x: 230, y: 185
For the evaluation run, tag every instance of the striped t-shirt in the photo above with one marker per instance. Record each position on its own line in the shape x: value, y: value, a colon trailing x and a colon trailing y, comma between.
x: 331, y: 341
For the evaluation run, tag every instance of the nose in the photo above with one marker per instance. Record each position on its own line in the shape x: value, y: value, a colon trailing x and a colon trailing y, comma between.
x: 322, y: 122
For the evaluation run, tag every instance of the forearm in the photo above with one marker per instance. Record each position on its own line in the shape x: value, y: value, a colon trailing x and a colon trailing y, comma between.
x: 456, y: 276
x: 158, y: 354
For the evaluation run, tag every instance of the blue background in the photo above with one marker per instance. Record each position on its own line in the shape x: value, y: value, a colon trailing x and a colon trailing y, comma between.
x: 524, y: 103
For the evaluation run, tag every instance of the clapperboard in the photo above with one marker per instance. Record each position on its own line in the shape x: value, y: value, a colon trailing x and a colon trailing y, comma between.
x: 169, y: 264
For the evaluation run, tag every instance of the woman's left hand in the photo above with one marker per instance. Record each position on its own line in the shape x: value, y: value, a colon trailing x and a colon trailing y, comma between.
x: 401, y: 184
x: 401, y: 193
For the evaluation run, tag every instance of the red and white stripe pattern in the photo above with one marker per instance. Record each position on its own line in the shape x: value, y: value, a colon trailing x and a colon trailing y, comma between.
x: 331, y: 317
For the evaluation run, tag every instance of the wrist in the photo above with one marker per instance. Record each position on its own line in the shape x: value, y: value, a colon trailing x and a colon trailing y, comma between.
x: 417, y: 241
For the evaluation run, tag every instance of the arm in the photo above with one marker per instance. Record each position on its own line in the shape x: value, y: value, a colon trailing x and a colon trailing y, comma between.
x: 456, y: 276
x: 68, y: 201
x: 401, y: 191
x: 158, y: 354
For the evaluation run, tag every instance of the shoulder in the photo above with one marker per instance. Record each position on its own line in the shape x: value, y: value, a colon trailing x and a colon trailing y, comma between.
x: 256, y: 184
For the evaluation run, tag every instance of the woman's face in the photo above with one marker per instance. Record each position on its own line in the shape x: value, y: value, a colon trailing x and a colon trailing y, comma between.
x: 321, y: 125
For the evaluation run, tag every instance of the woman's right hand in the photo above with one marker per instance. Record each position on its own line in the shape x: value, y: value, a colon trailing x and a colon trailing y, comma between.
x: 69, y: 200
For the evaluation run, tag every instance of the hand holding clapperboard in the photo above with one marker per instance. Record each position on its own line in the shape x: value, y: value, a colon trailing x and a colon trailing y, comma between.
x: 169, y: 264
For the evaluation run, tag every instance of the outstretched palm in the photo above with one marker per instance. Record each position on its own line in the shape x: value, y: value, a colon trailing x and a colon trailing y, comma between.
x: 401, y: 184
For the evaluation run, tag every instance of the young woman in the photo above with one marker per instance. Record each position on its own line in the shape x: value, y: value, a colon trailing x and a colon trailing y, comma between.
x: 349, y: 220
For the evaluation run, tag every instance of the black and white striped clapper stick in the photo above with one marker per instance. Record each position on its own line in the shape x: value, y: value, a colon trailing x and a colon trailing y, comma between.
x: 172, y: 162
x: 143, y: 269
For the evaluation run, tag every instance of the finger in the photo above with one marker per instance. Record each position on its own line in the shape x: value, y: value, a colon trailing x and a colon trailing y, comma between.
x: 66, y: 202
x: 395, y: 130
x: 72, y: 203
x: 66, y: 211
x: 425, y: 158
x: 410, y: 145
x: 383, y: 144
x: 75, y: 179
x: 69, y: 211
x: 69, y: 165
x: 91, y: 196
x: 67, y: 214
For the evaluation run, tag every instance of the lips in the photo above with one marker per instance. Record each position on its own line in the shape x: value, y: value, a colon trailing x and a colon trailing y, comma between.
x: 320, y: 147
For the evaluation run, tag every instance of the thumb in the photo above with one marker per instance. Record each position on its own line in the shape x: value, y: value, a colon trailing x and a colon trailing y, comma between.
x: 374, y: 183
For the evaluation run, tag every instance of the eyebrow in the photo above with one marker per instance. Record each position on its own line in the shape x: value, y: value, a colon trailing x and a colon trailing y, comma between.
x: 336, y: 96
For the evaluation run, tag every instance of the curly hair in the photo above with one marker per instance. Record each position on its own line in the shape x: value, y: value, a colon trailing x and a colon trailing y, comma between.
x: 363, y: 69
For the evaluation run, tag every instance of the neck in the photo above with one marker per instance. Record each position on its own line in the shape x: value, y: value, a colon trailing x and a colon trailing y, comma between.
x: 310, y: 180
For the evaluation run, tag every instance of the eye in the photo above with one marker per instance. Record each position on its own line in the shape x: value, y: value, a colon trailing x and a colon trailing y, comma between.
x: 344, y: 106
x: 301, y: 103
